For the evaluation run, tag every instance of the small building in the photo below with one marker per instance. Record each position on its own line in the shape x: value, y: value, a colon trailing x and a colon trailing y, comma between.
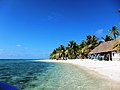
x: 105, y: 51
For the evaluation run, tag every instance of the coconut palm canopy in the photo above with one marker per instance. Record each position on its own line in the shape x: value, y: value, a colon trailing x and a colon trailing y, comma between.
x: 74, y: 50
x: 114, y: 31
x: 107, y: 38
x: 118, y: 10
x: 89, y: 46
x: 116, y: 44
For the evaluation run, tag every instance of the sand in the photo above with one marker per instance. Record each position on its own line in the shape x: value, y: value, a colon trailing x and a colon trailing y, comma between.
x: 110, y: 69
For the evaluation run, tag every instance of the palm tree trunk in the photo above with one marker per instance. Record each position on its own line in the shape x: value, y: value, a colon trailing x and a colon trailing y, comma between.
x: 115, y: 36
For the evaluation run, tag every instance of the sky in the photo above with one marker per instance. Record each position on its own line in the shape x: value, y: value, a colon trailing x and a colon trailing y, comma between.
x: 33, y: 28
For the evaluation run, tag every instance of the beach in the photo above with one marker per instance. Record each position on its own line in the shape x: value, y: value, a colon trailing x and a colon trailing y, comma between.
x: 107, y: 68
x: 74, y: 77
x: 57, y: 75
x: 110, y: 69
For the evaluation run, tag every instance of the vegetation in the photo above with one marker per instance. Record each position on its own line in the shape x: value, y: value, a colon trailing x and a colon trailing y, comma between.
x: 117, y: 44
x: 59, y: 52
x: 88, y: 45
x: 107, y: 38
x: 118, y: 10
x: 114, y: 31
x: 74, y: 50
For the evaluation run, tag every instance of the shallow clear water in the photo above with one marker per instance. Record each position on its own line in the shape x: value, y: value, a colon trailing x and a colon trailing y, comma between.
x: 29, y: 75
x: 22, y: 73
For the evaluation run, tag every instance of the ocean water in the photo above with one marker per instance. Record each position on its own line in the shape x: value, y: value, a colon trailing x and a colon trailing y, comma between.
x: 32, y: 75
x: 21, y: 73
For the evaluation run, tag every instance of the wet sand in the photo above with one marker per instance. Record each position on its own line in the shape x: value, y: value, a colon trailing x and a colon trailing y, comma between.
x: 110, y: 69
x: 75, y: 77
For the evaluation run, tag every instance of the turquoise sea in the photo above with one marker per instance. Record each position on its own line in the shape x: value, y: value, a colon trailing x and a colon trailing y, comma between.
x: 32, y: 75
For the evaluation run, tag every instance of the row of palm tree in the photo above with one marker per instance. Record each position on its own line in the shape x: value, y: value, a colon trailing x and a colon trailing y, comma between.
x: 63, y: 52
x: 74, y: 50
x: 117, y: 42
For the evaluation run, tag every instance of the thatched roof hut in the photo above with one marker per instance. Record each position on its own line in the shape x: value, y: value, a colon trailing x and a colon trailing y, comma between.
x: 104, y: 47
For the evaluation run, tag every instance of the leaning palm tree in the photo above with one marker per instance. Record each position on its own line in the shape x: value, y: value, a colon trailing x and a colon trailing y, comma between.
x: 91, y: 42
x: 58, y: 53
x: 88, y: 45
x: 83, y: 50
x: 72, y: 50
x: 53, y: 54
x: 66, y: 53
x: 114, y: 31
x: 116, y: 45
x: 62, y: 50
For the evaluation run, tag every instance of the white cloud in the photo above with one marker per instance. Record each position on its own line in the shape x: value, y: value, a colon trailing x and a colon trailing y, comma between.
x: 99, y: 32
x: 18, y: 45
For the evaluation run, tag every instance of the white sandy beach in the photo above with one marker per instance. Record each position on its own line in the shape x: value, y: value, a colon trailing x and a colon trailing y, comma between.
x: 110, y: 69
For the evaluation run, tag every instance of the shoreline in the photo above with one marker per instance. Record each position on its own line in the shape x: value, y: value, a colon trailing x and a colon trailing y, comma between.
x: 110, y: 69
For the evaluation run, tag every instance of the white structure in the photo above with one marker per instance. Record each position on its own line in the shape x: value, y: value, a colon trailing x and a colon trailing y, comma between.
x: 106, y: 49
x: 115, y: 56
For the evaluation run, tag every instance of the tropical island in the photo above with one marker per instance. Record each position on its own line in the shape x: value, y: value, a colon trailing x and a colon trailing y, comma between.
x: 91, y: 48
x: 60, y: 44
x: 93, y: 54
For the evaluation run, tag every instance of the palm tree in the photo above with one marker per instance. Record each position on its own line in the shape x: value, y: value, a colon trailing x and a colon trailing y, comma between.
x: 117, y: 44
x: 88, y: 45
x: 62, y: 50
x: 72, y: 50
x: 83, y: 49
x: 107, y: 38
x: 118, y: 10
x: 53, y: 55
x: 91, y: 42
x: 114, y: 31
